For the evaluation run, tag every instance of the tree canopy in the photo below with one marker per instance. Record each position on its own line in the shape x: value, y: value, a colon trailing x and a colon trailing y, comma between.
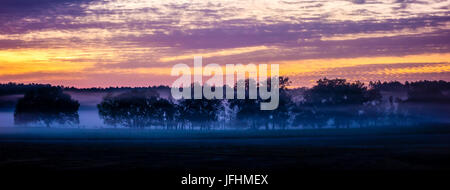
x: 47, y: 105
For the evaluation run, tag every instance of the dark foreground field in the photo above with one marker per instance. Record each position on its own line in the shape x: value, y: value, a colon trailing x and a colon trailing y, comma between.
x: 326, y: 157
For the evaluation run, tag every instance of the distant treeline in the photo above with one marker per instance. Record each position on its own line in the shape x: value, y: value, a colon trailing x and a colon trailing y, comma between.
x: 395, y: 85
x: 12, y: 88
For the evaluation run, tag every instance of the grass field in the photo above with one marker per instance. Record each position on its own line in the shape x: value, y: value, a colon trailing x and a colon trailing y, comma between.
x: 285, y: 154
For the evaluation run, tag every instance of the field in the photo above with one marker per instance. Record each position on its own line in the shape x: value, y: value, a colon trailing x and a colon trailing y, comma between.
x: 290, y: 156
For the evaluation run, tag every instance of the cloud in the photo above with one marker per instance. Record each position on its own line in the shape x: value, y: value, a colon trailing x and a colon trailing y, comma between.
x: 122, y: 36
x: 21, y: 16
x: 359, y: 1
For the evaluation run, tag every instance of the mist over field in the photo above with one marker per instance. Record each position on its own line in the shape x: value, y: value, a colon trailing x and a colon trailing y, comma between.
x: 326, y: 105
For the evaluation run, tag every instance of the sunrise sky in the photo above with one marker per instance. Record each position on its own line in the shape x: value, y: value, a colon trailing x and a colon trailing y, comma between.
x: 87, y: 43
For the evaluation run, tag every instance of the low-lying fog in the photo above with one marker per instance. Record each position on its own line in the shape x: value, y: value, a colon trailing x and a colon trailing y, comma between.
x: 88, y: 112
x: 89, y: 116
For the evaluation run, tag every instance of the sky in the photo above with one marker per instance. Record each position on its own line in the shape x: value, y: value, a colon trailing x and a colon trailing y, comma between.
x: 100, y: 43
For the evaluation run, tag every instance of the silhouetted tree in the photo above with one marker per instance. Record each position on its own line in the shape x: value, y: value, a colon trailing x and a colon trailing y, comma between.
x: 388, y: 86
x: 136, y: 109
x: 428, y: 92
x: 248, y: 112
x: 337, y: 100
x: 280, y: 117
x: 47, y: 105
x: 199, y: 112
x: 336, y: 92
x: 163, y: 112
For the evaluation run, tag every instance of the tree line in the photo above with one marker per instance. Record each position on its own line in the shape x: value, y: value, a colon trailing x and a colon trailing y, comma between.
x: 331, y: 102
